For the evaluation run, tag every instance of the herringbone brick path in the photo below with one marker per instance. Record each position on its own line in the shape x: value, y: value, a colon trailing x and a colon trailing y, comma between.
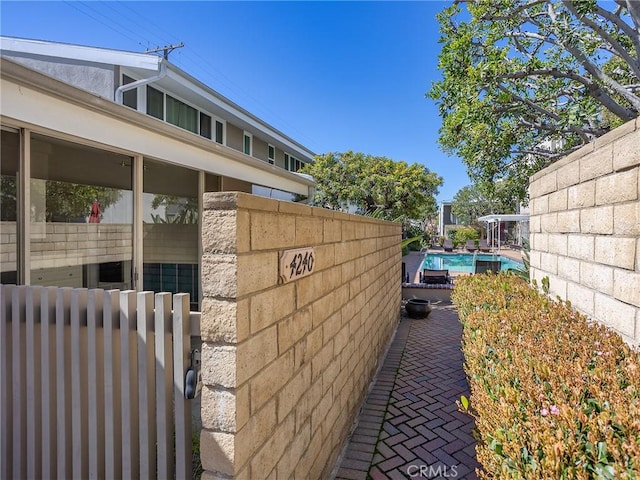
x: 410, y: 426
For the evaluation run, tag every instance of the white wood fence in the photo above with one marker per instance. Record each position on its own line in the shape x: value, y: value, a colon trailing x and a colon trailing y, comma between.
x: 92, y: 383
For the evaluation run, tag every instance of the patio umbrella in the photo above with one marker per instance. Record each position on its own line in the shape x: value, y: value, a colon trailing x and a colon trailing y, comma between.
x: 94, y: 216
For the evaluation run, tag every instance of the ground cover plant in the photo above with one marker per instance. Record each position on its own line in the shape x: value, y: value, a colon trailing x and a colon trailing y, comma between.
x: 552, y: 395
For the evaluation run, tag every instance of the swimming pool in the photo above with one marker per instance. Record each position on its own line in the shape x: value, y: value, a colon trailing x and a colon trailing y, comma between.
x: 463, y: 262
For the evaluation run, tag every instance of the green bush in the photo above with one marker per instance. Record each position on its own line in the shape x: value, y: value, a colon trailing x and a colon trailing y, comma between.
x: 462, y: 234
x: 553, y: 396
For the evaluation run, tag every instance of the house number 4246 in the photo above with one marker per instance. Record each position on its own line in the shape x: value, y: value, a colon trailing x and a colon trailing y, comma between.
x: 296, y: 264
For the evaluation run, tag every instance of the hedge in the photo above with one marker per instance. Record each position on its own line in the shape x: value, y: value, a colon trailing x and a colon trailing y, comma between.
x: 552, y: 395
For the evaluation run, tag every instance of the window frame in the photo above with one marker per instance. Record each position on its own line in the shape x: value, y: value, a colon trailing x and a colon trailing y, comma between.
x: 185, y: 104
x: 223, y: 131
x: 271, y: 158
x: 147, y: 90
x: 200, y: 131
x: 247, y: 136
x: 132, y: 93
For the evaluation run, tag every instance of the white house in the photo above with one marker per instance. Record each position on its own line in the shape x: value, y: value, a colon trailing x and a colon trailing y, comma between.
x: 136, y: 137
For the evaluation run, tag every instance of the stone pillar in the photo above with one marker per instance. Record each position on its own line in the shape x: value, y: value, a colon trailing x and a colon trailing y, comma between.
x: 221, y: 227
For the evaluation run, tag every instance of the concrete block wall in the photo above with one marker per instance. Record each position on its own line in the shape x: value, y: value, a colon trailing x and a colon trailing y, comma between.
x: 585, y: 229
x: 286, y: 366
x: 56, y: 245
x: 168, y: 242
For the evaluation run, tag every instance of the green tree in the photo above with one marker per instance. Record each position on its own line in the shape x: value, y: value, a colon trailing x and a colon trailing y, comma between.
x: 472, y: 202
x: 73, y: 201
x: 527, y: 81
x: 395, y: 189
x: 177, y: 209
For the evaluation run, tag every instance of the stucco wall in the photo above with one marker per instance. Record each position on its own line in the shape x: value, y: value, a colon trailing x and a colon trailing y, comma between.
x: 92, y: 77
x: 585, y: 229
x: 286, y: 365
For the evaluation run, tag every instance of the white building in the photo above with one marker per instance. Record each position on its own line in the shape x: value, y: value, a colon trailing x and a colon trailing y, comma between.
x: 139, y: 136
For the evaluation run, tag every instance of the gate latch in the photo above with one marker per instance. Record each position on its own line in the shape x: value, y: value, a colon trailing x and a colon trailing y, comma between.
x: 193, y: 377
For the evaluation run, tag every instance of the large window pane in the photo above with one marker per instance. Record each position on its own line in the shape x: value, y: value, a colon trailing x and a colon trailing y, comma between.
x: 81, y: 216
x: 155, y: 103
x: 205, y: 125
x: 129, y: 97
x: 10, y: 155
x: 182, y: 115
x: 171, y: 238
x: 219, y: 132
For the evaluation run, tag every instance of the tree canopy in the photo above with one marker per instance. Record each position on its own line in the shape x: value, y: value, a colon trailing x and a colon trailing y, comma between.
x: 472, y: 202
x: 371, y: 184
x: 527, y: 81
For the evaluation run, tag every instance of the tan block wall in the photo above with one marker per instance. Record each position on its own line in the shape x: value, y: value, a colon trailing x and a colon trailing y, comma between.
x: 585, y: 229
x: 8, y: 247
x: 286, y: 366
x: 55, y: 245
x: 167, y: 242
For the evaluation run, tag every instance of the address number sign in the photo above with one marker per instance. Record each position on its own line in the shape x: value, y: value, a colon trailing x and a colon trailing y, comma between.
x: 295, y: 264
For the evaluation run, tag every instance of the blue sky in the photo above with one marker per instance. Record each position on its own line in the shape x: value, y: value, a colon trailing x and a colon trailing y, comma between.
x: 334, y: 76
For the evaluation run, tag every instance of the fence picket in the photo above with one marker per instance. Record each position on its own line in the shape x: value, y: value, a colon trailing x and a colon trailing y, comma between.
x: 33, y: 384
x: 63, y: 401
x: 112, y: 421
x: 92, y: 383
x: 164, y: 388
x: 95, y: 356
x: 146, y: 385
x: 181, y: 360
x: 48, y: 377
x: 6, y: 433
x: 79, y: 391
x: 129, y: 351
x: 18, y: 387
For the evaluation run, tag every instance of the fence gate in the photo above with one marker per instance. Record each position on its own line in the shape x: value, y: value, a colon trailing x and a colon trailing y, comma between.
x: 92, y: 383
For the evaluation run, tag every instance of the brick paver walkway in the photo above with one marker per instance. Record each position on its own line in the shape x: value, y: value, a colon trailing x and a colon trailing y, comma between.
x: 410, y: 426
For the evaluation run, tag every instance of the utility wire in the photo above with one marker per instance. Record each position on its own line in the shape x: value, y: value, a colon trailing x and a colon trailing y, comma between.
x: 192, y: 59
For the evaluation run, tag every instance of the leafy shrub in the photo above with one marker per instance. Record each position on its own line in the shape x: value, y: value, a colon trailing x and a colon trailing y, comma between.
x: 461, y: 234
x: 553, y: 396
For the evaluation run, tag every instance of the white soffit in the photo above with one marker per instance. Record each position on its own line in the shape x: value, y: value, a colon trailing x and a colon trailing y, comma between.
x: 505, y: 217
x: 79, y: 52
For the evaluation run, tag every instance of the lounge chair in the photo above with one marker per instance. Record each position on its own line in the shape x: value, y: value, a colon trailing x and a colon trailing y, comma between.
x: 484, y: 266
x: 483, y: 246
x: 447, y: 245
x: 470, y: 245
x: 435, y: 276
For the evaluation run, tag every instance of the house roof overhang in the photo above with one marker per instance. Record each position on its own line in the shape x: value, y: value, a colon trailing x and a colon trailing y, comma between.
x: 177, y: 81
x: 504, y: 217
x: 20, y: 107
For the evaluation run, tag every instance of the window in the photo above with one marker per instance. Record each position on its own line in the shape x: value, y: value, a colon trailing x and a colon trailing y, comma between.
x: 182, y: 115
x: 129, y: 97
x: 291, y: 163
x: 219, y: 132
x: 271, y: 154
x: 155, y: 103
x: 247, y: 143
x: 205, y: 125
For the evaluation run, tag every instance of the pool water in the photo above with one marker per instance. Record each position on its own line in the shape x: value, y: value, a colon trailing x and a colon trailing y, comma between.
x: 464, y: 262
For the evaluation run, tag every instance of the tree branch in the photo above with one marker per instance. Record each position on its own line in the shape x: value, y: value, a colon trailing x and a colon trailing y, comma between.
x: 618, y: 49
x: 633, y: 7
x: 622, y: 25
x: 595, y: 71
x: 512, y: 13
x: 595, y: 132
x: 544, y: 111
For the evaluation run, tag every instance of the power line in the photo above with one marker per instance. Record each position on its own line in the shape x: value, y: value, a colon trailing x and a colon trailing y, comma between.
x: 191, y: 57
